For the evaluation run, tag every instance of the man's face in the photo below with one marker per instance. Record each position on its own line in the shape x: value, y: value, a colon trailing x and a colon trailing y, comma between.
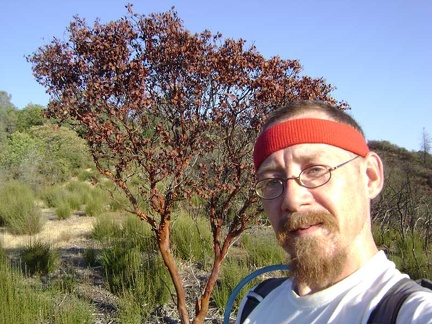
x: 318, y: 226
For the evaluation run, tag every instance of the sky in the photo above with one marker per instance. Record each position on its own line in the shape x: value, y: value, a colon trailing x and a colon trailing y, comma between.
x: 377, y: 53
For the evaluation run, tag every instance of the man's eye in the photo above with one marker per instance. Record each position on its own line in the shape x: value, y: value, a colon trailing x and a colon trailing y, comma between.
x: 315, y: 171
x: 271, y: 183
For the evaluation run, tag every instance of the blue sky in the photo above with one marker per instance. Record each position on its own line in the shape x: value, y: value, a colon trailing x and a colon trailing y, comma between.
x: 378, y: 53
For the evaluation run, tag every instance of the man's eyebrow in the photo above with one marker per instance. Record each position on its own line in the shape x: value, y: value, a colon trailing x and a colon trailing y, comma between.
x: 269, y: 168
x: 314, y: 158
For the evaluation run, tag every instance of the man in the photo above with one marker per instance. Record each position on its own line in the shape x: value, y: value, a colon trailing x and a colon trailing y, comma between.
x: 316, y: 178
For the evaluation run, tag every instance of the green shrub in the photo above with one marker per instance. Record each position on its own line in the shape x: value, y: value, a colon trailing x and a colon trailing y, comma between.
x: 138, y: 234
x: 63, y: 210
x: 263, y: 250
x: 259, y: 250
x: 22, y: 303
x: 49, y: 195
x: 39, y: 258
x: 85, y: 175
x: 105, y: 227
x: 90, y: 257
x: 18, y: 210
x: 97, y: 202
x: 151, y: 288
x: 136, y: 276
x: 413, y: 259
x: 233, y: 271
x: 192, y: 238
x: 75, y: 193
x: 133, y: 268
x: 406, y: 250
x: 118, y: 201
x: 67, y: 282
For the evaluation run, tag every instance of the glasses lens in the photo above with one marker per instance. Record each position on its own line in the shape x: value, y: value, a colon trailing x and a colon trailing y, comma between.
x: 269, y: 188
x: 315, y: 176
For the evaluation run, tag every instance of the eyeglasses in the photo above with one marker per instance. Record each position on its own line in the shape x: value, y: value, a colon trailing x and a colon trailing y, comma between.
x: 312, y: 177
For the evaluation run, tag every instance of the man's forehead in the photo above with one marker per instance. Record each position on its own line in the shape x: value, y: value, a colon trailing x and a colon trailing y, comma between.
x: 303, y: 153
x: 308, y: 130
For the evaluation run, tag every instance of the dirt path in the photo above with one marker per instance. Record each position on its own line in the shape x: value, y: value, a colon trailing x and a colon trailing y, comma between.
x: 63, y: 234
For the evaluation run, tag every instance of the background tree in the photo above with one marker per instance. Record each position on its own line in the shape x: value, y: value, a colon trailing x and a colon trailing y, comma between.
x: 175, y: 112
x: 42, y: 156
x: 425, y: 144
x: 31, y: 115
x: 8, y: 116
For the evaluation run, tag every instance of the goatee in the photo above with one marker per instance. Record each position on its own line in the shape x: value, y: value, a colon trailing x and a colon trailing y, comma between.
x: 315, y: 259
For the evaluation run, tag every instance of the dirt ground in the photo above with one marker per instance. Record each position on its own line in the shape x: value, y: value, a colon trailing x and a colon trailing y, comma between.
x: 62, y: 234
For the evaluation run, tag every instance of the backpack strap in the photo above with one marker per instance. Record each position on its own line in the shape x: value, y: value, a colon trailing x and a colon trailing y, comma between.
x: 426, y: 283
x: 255, y: 296
x: 388, y: 308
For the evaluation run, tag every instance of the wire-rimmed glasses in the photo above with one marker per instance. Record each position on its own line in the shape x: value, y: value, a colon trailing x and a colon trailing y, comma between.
x: 312, y: 177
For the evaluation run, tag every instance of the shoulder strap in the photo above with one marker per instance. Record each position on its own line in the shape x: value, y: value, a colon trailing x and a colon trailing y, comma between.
x: 388, y: 308
x: 427, y: 283
x: 255, y: 296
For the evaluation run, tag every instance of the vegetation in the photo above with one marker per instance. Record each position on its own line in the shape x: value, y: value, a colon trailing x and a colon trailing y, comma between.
x: 175, y: 113
x: 22, y: 303
x: 39, y: 258
x: 18, y: 210
x: 173, y: 140
x: 134, y: 270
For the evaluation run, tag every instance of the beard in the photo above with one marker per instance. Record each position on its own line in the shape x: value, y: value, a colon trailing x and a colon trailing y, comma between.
x: 316, y: 260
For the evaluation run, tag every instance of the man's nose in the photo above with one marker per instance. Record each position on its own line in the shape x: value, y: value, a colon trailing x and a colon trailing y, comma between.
x: 294, y: 195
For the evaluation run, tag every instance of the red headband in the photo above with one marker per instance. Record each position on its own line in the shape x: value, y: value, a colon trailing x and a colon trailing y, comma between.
x: 308, y: 130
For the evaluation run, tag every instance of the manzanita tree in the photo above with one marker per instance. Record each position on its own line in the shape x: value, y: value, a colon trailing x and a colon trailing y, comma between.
x: 176, y: 110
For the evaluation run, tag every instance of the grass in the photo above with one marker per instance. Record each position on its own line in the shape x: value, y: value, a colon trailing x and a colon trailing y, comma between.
x: 76, y: 195
x: 39, y: 258
x: 407, y: 251
x: 192, y: 238
x: 24, y: 303
x: 133, y: 268
x: 260, y: 250
x: 18, y: 210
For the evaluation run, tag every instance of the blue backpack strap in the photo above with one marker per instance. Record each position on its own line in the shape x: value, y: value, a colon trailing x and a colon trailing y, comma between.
x: 255, y: 296
x: 388, y: 308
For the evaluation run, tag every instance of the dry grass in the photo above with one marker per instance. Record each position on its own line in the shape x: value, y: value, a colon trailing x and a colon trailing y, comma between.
x: 58, y: 233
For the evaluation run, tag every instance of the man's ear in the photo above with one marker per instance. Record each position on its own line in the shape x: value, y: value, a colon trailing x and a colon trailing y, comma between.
x: 375, y: 174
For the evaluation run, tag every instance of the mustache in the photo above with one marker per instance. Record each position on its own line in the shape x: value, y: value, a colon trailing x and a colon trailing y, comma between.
x: 302, y: 220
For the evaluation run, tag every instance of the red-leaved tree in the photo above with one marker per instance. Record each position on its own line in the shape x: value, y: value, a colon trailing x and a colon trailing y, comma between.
x: 179, y: 111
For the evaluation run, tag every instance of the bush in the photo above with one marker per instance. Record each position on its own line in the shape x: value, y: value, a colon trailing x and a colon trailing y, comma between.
x: 21, y: 303
x: 263, y: 250
x: 97, y: 202
x: 233, y: 271
x: 151, y: 288
x: 192, y: 238
x: 74, y: 196
x: 407, y: 251
x: 259, y: 252
x: 63, y: 211
x: 106, y: 227
x: 90, y: 257
x: 134, y: 270
x: 39, y: 258
x: 85, y: 175
x: 17, y: 209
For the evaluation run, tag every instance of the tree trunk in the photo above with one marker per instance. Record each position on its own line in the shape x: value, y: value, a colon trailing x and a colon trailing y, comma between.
x: 202, y: 304
x: 164, y: 248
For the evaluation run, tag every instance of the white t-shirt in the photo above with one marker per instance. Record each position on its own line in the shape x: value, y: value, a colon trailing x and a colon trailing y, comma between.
x: 349, y: 301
